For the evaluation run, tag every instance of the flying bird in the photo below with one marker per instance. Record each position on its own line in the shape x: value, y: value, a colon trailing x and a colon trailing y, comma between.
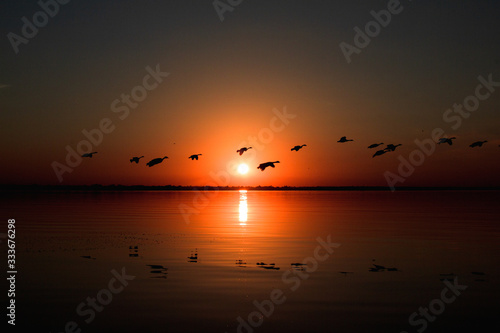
x: 343, y: 139
x: 375, y: 145
x: 477, y: 144
x: 391, y: 147
x: 297, y: 148
x: 446, y: 140
x: 263, y: 166
x: 89, y: 154
x: 135, y: 159
x: 155, y: 161
x: 242, y: 150
x: 379, y: 152
x: 194, y: 157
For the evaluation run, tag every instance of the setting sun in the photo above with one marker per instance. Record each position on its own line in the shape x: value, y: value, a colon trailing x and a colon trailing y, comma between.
x: 243, y: 169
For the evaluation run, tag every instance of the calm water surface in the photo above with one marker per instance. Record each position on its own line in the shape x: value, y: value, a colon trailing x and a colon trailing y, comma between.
x: 68, y: 244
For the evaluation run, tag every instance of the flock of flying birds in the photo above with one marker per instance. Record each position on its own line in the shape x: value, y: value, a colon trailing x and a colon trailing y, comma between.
x: 389, y: 148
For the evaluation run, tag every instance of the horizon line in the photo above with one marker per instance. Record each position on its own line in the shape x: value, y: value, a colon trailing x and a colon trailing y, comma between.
x: 120, y: 187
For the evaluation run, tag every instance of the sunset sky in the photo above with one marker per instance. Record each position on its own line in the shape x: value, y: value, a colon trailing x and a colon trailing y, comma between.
x: 271, y: 75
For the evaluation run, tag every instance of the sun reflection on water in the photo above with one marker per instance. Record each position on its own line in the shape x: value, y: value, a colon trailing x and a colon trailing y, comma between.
x: 243, y: 208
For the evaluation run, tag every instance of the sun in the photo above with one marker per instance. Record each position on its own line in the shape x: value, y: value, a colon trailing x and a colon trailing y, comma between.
x: 243, y: 169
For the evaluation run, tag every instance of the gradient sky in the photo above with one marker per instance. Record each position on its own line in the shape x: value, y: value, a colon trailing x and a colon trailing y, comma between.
x: 226, y: 78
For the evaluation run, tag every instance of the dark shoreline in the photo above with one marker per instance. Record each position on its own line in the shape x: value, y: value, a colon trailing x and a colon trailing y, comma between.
x: 97, y: 187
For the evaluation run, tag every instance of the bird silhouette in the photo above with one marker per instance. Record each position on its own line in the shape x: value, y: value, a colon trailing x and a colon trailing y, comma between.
x: 391, y: 147
x: 375, y: 145
x: 156, y: 161
x: 446, y: 140
x: 89, y: 154
x: 263, y: 166
x: 343, y: 139
x: 194, y: 157
x: 297, y: 148
x: 477, y: 144
x: 242, y: 150
x: 135, y: 159
x: 379, y: 152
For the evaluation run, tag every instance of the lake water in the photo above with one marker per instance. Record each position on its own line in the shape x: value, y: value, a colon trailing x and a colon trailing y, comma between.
x: 82, y: 261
